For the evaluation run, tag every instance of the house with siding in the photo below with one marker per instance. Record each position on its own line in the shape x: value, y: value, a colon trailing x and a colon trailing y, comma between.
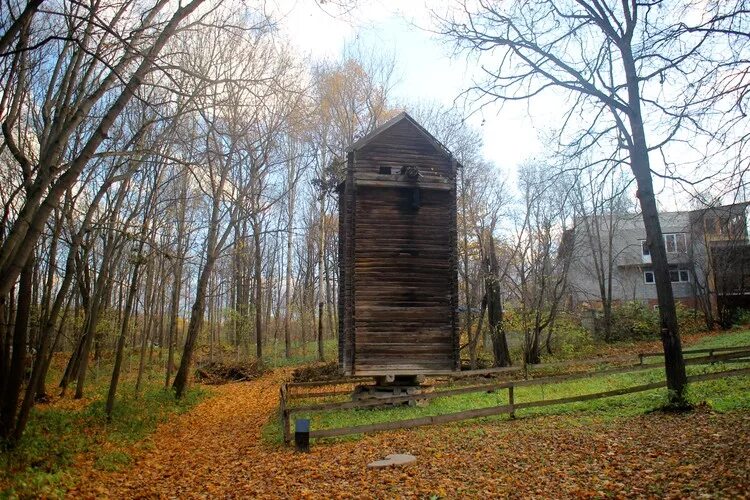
x: 707, y: 249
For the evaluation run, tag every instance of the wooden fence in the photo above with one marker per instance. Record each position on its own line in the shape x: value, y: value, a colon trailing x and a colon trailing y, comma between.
x: 726, y: 355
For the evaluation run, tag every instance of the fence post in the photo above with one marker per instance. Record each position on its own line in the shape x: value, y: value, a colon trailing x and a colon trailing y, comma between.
x: 511, y: 402
x: 711, y: 356
x: 640, y: 358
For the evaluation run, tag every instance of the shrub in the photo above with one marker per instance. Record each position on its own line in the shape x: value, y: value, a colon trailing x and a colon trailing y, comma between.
x: 219, y: 372
x: 741, y: 317
x: 690, y: 320
x: 634, y: 320
x: 317, y: 372
x: 570, y: 338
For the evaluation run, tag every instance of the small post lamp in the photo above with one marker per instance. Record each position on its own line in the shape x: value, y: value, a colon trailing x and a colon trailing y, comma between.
x: 302, y: 434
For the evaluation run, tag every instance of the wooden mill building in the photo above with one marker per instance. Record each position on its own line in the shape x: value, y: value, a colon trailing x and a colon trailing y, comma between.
x: 397, y: 254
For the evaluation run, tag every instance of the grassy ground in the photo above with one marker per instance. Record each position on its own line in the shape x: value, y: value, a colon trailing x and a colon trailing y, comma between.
x: 65, y: 431
x: 721, y: 395
x: 215, y: 451
x: 62, y: 433
x: 67, y: 434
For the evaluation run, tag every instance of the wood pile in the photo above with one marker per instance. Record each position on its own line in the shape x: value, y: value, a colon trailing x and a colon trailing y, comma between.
x: 218, y: 372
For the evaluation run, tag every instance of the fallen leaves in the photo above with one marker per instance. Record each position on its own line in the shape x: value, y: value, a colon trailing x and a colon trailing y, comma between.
x: 215, y: 450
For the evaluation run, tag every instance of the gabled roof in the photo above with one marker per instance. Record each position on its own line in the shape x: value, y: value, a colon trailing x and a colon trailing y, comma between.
x: 403, y: 116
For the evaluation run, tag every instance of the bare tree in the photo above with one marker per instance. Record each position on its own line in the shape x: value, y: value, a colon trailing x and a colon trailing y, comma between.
x: 232, y: 150
x: 493, y: 302
x: 717, y: 98
x: 599, y: 203
x: 602, y: 57
x: 539, y: 269
x: 296, y: 166
x: 102, y: 76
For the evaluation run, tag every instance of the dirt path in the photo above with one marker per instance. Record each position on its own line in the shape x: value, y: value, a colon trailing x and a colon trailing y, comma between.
x: 215, y: 451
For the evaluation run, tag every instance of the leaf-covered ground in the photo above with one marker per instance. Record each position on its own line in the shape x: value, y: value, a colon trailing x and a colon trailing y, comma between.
x: 216, y: 450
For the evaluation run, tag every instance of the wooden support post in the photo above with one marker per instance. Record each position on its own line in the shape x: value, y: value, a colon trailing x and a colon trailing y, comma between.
x: 511, y: 402
x: 640, y: 358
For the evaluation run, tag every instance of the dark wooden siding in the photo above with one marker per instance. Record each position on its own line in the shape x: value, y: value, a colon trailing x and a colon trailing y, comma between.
x: 404, y: 145
x: 403, y: 277
x: 346, y: 272
x: 397, y: 258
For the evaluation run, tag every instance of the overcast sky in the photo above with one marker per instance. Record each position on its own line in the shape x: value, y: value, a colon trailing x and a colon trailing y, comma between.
x: 426, y: 70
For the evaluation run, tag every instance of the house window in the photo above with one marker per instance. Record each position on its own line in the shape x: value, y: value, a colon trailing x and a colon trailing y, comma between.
x: 675, y: 243
x: 736, y: 227
x: 676, y: 275
x: 385, y: 171
x: 644, y: 249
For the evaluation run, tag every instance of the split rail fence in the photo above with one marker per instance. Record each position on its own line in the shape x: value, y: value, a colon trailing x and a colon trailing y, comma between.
x: 739, y: 354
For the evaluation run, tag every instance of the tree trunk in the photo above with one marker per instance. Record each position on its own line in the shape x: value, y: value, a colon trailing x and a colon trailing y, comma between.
x: 41, y: 391
x: 288, y: 291
x: 495, y: 307
x: 72, y: 367
x: 98, y: 304
x: 173, y: 316
x: 532, y: 352
x: 258, y: 293
x: 320, y: 332
x: 321, y: 256
x: 5, y: 340
x: 150, y: 298
x: 329, y: 300
x: 194, y: 327
x: 35, y: 387
x: 674, y: 363
x: 473, y: 343
x: 465, y: 262
x: 121, y: 340
x: 12, y: 391
x: 177, y: 285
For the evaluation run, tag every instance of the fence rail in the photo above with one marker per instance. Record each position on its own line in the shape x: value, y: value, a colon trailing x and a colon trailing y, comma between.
x: 729, y: 355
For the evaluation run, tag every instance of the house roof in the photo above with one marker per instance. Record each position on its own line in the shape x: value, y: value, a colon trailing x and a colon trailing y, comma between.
x: 403, y: 116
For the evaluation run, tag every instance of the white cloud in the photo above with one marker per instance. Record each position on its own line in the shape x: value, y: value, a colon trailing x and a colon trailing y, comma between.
x: 425, y: 69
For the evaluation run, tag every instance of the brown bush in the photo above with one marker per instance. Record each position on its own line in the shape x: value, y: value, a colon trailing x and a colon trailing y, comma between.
x: 218, y: 372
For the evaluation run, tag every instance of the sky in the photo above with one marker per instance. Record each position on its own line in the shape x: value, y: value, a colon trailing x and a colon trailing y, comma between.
x: 426, y: 68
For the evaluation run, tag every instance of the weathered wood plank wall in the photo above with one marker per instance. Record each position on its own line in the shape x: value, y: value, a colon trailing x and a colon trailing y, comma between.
x: 398, y: 257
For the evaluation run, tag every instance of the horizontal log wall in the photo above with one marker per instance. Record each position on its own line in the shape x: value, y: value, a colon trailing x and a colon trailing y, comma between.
x: 402, y: 281
x: 404, y: 145
x: 347, y: 197
x: 398, y: 257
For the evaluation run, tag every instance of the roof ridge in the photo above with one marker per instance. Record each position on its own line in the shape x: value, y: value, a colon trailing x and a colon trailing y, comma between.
x: 403, y: 115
